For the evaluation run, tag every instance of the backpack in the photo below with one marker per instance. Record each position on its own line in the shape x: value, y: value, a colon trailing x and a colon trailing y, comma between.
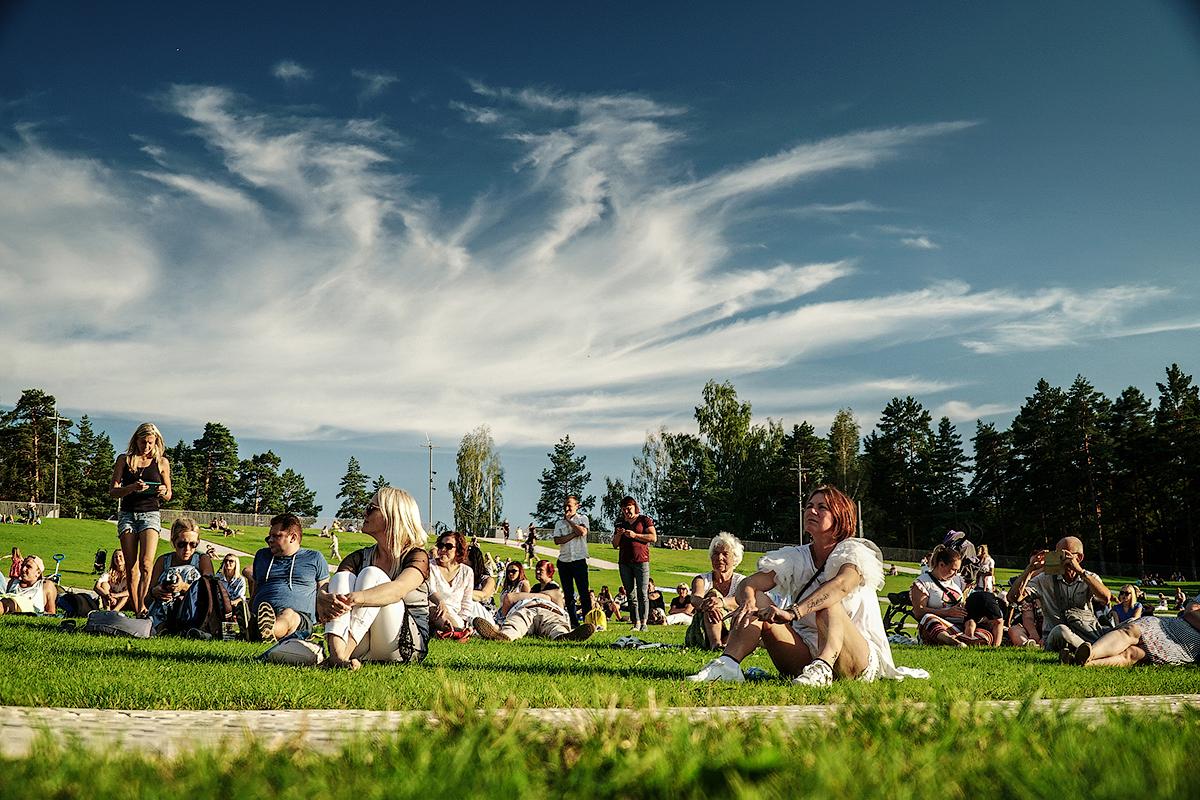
x: 205, y: 607
x: 114, y: 623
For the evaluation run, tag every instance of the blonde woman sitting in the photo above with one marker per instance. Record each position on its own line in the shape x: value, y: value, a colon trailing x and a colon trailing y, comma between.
x: 113, y: 586
x: 377, y: 604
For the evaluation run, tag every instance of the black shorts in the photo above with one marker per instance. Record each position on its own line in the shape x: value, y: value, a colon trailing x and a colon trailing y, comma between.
x: 983, y: 605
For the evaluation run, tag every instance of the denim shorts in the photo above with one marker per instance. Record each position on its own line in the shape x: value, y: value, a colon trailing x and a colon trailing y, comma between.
x: 138, y: 522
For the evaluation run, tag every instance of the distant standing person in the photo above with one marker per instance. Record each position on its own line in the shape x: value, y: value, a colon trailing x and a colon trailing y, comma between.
x: 986, y: 577
x: 531, y: 546
x: 14, y: 569
x: 334, y: 550
x: 633, y: 533
x: 141, y: 480
x: 570, y: 534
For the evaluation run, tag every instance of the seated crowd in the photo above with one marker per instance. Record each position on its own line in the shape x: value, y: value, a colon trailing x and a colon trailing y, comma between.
x: 814, y: 608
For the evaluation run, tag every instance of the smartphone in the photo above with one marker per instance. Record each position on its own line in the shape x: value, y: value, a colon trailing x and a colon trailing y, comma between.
x: 1054, y: 563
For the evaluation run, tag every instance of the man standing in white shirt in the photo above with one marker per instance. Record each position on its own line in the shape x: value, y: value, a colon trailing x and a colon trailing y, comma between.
x: 570, y: 534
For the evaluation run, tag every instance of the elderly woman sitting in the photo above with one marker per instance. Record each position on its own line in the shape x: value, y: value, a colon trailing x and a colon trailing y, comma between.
x: 834, y: 628
x: 714, y: 594
x: 29, y: 592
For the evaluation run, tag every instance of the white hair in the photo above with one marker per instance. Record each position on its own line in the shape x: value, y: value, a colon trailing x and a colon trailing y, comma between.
x: 729, y: 543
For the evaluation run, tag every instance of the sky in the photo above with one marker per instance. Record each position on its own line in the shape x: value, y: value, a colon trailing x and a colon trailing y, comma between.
x: 341, y: 231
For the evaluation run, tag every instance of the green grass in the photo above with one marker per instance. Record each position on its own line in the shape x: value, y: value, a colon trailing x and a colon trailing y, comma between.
x: 40, y: 665
x: 868, y: 751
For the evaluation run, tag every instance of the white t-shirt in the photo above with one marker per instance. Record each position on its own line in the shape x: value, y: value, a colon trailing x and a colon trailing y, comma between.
x: 576, y: 548
x: 35, y: 594
x: 793, y: 568
x: 938, y: 598
x: 114, y: 587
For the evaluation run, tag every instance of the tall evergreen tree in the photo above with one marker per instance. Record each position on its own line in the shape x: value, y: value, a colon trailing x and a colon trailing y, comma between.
x: 295, y: 496
x: 352, y: 491
x: 1177, y: 427
x: 92, y: 457
x: 567, y: 474
x: 27, y: 447
x: 182, y: 463
x: 1132, y: 470
x: 258, y: 490
x: 1040, y: 470
x: 683, y: 505
x: 379, y: 483
x: 1086, y: 415
x: 947, y: 464
x: 897, y: 457
x: 213, y: 470
x: 989, y: 483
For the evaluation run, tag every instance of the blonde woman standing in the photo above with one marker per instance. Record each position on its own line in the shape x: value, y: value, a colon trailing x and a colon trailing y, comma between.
x: 377, y: 604
x: 141, y: 480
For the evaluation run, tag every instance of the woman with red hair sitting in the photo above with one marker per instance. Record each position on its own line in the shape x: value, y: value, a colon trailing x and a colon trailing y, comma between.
x: 830, y: 625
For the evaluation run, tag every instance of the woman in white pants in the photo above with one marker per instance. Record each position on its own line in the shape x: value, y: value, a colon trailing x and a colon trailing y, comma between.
x: 377, y: 606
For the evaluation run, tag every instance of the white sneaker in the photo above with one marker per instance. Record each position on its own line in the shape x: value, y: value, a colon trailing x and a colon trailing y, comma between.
x: 818, y: 673
x: 719, y: 669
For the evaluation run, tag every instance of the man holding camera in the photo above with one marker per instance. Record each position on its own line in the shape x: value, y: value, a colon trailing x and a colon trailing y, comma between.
x: 1065, y: 590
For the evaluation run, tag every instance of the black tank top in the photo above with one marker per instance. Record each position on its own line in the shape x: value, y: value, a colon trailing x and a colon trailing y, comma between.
x: 141, y: 503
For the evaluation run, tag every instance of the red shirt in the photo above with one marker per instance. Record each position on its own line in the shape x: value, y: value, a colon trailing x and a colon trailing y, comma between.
x: 632, y: 552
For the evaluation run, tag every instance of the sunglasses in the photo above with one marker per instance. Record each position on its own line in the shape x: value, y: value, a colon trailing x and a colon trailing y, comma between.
x: 445, y: 545
x: 182, y: 545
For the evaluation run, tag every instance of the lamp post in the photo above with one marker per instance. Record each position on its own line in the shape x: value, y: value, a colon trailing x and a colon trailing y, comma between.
x: 57, y: 420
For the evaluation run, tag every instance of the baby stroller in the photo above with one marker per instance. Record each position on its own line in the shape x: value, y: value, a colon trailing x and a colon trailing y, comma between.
x: 957, y: 540
x: 99, y: 562
x: 898, y: 613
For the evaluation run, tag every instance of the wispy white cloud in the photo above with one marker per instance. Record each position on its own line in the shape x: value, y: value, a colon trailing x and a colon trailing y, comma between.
x: 374, y: 83
x: 593, y: 292
x: 961, y: 411
x: 920, y: 243
x: 288, y: 70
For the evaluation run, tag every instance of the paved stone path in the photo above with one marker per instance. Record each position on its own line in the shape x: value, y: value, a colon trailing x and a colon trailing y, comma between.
x: 324, y: 730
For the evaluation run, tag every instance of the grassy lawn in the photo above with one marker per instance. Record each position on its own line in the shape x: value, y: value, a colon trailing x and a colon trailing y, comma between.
x: 40, y: 665
x: 881, y: 744
x: 868, y: 752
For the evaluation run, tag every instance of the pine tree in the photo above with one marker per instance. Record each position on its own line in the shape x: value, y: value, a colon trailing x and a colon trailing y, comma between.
x: 897, y: 457
x: 258, y: 490
x: 989, y: 482
x: 379, y: 483
x: 1177, y: 428
x: 295, y: 496
x: 352, y: 491
x: 92, y: 456
x: 567, y: 474
x: 1085, y: 419
x: 182, y: 461
x: 683, y: 506
x: 27, y: 447
x: 1040, y: 469
x: 947, y: 464
x: 1132, y: 471
x: 213, y: 471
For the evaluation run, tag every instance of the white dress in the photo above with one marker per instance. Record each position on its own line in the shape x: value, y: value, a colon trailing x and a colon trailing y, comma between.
x: 793, y: 568
x: 455, y: 594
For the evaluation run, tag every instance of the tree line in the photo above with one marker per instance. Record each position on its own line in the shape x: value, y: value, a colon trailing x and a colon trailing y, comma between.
x: 1122, y: 474
x: 206, y: 475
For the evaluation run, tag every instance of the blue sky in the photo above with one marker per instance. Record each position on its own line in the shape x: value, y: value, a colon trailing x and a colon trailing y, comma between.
x: 339, y: 231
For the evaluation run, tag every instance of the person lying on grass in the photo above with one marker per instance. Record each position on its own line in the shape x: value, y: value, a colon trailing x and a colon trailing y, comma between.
x: 451, y: 582
x: 714, y: 594
x: 538, y: 612
x: 939, y: 604
x: 1147, y: 640
x: 112, y: 587
x: 30, y: 592
x: 834, y: 629
x: 377, y: 606
x: 287, y: 578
